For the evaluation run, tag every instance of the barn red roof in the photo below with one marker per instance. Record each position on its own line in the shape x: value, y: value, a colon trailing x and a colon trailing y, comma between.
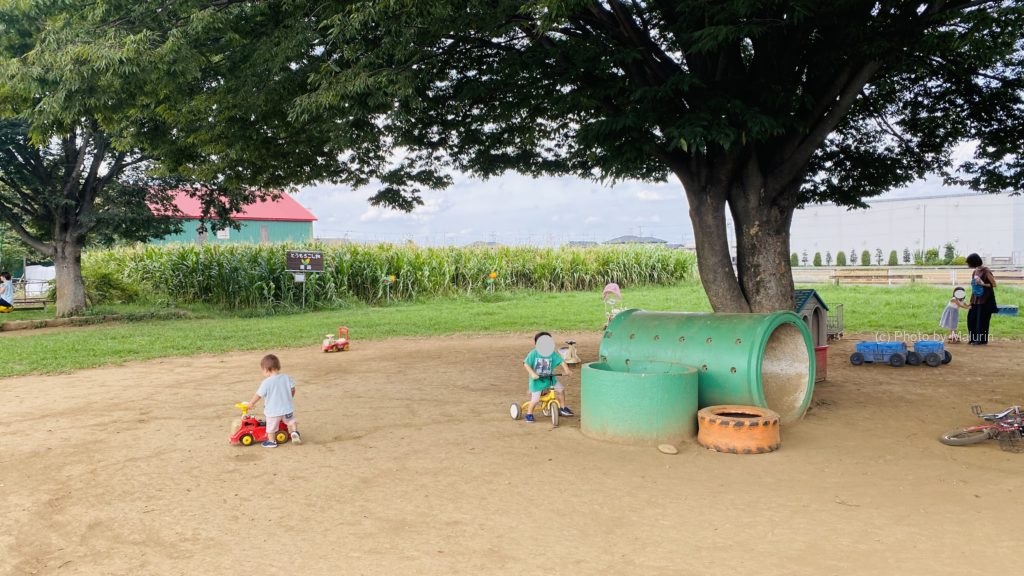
x: 284, y: 208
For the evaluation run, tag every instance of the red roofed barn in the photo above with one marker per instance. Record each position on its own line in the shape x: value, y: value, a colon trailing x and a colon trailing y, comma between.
x: 282, y: 220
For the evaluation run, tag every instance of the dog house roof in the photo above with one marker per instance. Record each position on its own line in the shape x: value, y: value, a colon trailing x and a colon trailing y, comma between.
x: 804, y: 298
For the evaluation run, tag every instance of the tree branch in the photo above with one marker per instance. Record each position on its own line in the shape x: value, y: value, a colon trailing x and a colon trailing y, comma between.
x: 816, y: 134
x: 8, y: 213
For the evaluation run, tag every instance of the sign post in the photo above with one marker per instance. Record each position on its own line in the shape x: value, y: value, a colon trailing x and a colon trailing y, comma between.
x: 302, y: 262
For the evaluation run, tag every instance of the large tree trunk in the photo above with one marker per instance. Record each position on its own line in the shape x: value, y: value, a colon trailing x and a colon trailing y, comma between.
x: 67, y: 258
x: 762, y: 280
x: 762, y: 247
x: 714, y: 262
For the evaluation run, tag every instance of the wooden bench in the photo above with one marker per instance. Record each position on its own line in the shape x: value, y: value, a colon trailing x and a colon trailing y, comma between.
x: 31, y: 303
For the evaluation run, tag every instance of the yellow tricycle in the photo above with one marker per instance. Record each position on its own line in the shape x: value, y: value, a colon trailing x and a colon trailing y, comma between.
x: 548, y: 403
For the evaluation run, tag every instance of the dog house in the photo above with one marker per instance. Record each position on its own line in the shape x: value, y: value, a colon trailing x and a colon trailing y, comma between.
x: 814, y: 312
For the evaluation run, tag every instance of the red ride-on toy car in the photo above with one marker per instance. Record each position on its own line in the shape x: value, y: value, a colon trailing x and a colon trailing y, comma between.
x: 332, y: 344
x: 249, y: 430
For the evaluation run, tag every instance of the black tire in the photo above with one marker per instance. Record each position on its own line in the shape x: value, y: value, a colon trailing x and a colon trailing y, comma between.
x: 946, y: 357
x: 856, y: 358
x: 964, y: 436
x: 913, y: 359
x: 246, y: 440
x: 932, y: 359
x: 896, y: 360
x: 281, y: 436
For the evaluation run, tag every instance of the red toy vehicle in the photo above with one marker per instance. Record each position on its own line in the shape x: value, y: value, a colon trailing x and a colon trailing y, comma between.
x: 331, y: 344
x: 248, y: 430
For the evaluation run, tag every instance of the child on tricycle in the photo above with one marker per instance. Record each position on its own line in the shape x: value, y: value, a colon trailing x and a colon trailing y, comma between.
x: 540, y: 363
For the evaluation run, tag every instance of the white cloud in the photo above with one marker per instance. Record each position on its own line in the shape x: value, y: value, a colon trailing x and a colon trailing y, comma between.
x: 421, y: 214
x: 648, y: 195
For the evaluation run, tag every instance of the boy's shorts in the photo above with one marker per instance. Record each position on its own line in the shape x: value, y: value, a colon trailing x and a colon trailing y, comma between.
x: 273, y: 422
x: 535, y: 396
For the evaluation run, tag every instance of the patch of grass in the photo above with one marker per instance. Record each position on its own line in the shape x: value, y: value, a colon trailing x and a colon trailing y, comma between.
x: 29, y: 315
x: 913, y: 309
x: 164, y: 331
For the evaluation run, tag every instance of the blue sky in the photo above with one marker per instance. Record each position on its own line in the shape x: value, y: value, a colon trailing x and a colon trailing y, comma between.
x: 517, y: 209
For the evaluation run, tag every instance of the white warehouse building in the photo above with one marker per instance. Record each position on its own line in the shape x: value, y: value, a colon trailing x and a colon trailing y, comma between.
x: 991, y: 225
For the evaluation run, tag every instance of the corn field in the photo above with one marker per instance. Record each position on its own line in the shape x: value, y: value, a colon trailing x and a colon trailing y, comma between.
x: 254, y: 276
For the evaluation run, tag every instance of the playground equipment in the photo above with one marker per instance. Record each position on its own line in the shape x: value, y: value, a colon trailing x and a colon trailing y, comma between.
x: 649, y: 403
x: 248, y: 430
x: 332, y: 344
x: 893, y: 353
x: 548, y: 403
x: 568, y: 353
x: 763, y: 360
x: 932, y: 352
x: 6, y: 309
x: 738, y: 429
x: 611, y: 296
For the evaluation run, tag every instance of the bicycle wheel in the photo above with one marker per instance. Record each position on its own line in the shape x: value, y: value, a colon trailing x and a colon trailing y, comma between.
x: 966, y: 436
x: 515, y: 411
x: 553, y: 407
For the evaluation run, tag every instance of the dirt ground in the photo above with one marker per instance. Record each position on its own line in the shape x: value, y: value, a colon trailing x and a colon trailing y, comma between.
x: 411, y: 465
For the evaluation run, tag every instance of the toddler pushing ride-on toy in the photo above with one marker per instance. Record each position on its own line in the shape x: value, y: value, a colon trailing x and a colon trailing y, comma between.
x: 332, y: 344
x: 248, y: 429
x: 548, y: 403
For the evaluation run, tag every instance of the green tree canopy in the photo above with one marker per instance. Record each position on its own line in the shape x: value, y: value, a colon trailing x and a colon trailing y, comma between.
x: 841, y: 259
x: 755, y: 108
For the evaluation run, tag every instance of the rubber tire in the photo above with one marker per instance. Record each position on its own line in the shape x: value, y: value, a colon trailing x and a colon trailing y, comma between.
x: 246, y: 440
x: 897, y: 361
x: 932, y: 359
x: 913, y: 359
x: 553, y: 407
x: 946, y: 357
x: 856, y: 358
x: 952, y: 437
x: 757, y: 433
x: 281, y: 437
x: 516, y: 411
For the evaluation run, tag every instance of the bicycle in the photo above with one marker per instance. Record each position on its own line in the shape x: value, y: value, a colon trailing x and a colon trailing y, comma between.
x: 1006, y: 426
x: 548, y: 403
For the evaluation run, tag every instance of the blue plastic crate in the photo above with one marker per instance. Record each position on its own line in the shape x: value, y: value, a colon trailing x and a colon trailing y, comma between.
x: 926, y: 346
x: 881, y: 351
x: 1007, y: 310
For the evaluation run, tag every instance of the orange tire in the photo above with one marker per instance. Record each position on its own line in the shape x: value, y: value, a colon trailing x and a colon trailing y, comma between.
x: 738, y: 429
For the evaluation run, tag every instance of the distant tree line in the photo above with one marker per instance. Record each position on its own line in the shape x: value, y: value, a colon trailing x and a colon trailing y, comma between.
x: 949, y: 256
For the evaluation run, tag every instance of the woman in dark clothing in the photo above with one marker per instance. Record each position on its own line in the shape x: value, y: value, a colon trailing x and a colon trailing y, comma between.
x: 983, y: 300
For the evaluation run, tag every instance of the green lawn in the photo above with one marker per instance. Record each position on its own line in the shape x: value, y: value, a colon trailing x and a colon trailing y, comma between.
x: 868, y: 309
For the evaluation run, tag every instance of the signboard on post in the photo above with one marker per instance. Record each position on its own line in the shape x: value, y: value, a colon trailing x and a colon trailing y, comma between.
x: 301, y: 261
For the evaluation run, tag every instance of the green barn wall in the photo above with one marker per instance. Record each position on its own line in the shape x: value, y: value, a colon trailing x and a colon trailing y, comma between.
x: 279, y: 230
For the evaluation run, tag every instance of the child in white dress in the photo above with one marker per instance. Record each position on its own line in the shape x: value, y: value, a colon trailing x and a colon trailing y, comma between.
x: 951, y: 315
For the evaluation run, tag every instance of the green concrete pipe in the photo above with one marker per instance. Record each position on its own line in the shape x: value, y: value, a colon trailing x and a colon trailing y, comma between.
x: 652, y: 403
x: 763, y: 360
